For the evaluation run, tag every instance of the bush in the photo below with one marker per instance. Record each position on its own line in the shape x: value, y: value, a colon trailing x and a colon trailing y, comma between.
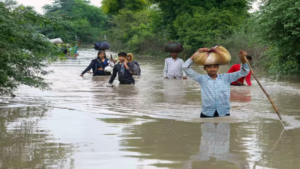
x: 279, y: 28
x: 24, y: 53
x: 132, y: 32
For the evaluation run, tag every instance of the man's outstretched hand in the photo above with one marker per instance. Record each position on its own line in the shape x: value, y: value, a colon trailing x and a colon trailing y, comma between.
x: 243, y: 55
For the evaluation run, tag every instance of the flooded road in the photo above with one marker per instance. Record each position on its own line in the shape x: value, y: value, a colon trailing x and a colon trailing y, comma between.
x: 82, y: 124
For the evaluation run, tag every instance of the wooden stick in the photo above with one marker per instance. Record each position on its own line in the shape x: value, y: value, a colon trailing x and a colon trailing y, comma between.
x: 275, y: 108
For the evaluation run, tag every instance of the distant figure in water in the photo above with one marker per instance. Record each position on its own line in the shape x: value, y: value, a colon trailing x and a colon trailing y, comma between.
x: 173, y: 67
x: 73, y: 51
x: 137, y: 68
x: 123, y: 69
x: 215, y: 88
x: 237, y: 67
x: 98, y: 65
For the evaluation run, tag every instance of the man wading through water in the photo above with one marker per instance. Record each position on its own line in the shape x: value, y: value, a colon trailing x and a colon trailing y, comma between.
x: 215, y: 88
x: 123, y: 68
x: 173, y: 67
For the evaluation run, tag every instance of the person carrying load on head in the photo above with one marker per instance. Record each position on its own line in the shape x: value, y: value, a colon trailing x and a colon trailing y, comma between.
x: 136, y: 67
x: 123, y: 69
x: 237, y: 67
x: 99, y: 65
x: 173, y: 65
x: 215, y: 88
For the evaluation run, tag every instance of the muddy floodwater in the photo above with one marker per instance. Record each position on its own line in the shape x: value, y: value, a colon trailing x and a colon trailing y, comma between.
x: 82, y: 124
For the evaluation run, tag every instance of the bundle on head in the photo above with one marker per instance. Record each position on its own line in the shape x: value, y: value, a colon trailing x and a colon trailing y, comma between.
x: 101, y: 46
x: 215, y: 56
x: 173, y: 47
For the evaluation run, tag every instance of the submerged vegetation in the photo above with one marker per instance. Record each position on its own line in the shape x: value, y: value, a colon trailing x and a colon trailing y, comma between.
x: 271, y: 35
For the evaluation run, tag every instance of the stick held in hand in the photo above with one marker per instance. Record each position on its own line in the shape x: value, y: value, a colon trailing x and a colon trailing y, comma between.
x: 268, y: 96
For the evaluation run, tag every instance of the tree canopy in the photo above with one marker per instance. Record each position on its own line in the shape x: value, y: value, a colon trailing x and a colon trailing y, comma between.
x: 80, y: 18
x: 112, y: 7
x: 23, y: 51
x: 279, y: 25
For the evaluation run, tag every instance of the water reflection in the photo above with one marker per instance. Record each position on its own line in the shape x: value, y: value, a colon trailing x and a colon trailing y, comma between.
x: 214, y: 148
x: 24, y: 145
x: 84, y: 114
x: 162, y: 143
x: 241, y: 96
x: 175, y: 144
x: 123, y: 99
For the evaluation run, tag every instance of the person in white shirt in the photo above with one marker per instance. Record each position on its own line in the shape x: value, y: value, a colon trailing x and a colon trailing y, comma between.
x: 173, y: 68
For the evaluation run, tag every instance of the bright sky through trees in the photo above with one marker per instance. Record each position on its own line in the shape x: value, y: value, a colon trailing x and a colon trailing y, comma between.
x: 38, y: 4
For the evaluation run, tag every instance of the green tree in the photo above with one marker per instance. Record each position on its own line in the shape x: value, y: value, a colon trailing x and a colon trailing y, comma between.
x: 65, y: 29
x: 80, y: 18
x: 171, y: 10
x: 113, y: 7
x: 62, y: 7
x: 23, y: 52
x: 279, y: 25
x: 201, y: 28
x: 10, y: 3
x: 95, y: 15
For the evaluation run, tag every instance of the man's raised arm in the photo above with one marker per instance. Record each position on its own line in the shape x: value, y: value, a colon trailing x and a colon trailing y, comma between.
x: 190, y: 72
x: 231, y: 77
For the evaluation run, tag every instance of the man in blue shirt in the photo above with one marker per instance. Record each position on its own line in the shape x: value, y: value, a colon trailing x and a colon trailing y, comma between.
x: 215, y: 88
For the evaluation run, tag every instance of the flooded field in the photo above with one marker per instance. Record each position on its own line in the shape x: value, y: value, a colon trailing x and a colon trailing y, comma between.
x: 82, y: 124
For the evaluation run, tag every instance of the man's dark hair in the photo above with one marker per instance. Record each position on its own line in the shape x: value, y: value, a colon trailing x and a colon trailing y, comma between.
x: 124, y: 54
x: 249, y: 57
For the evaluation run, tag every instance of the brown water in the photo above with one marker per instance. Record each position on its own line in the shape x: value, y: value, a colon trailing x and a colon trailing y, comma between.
x: 81, y: 124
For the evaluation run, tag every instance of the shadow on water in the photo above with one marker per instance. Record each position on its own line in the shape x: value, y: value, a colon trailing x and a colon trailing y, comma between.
x: 24, y: 145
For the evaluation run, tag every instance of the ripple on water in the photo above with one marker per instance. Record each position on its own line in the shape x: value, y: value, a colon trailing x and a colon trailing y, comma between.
x: 154, y: 124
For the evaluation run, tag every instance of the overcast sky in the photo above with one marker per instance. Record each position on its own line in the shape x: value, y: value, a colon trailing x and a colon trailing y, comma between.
x: 38, y: 4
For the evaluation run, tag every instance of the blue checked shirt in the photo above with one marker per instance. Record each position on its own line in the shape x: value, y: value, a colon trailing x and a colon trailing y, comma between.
x: 215, y: 94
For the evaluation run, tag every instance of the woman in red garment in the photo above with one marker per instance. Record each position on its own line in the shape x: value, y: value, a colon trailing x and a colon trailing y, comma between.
x: 240, y: 81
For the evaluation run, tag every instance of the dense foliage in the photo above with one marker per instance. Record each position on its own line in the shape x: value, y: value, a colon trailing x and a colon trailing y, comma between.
x: 112, y: 7
x: 79, y: 20
x: 24, y: 53
x: 279, y: 27
x: 195, y: 23
x: 181, y: 11
x: 132, y: 31
x: 271, y: 35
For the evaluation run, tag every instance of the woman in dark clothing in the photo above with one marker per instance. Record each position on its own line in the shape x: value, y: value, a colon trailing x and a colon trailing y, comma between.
x: 98, y: 65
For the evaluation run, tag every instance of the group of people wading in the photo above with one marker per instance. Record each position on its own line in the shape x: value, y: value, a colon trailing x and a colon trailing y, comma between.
x: 215, y: 88
x: 125, y: 68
